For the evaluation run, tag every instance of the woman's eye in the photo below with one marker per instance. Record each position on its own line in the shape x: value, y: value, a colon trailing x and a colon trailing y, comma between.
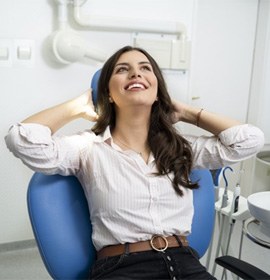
x: 146, y: 67
x: 121, y: 69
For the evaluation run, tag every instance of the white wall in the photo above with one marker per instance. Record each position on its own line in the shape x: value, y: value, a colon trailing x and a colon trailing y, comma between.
x: 260, y: 83
x: 222, y: 48
x: 222, y: 34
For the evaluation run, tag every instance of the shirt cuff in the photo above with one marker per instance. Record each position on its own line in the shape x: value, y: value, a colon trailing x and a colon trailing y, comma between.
x: 35, y: 133
x: 240, y: 134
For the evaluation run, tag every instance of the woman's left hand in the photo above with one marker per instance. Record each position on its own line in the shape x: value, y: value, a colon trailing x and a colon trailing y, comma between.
x: 179, y: 111
x: 209, y: 121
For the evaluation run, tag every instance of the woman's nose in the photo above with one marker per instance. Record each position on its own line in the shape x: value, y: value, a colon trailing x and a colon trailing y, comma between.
x: 134, y: 74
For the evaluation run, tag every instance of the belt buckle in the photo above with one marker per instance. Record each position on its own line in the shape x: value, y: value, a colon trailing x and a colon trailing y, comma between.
x: 159, y: 249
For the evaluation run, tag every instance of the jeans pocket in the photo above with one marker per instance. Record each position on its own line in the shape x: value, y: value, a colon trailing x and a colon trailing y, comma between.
x: 193, y: 252
x: 106, y: 265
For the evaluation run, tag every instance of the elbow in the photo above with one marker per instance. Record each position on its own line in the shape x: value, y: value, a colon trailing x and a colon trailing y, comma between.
x: 258, y: 139
x: 252, y: 145
x: 252, y: 142
x: 11, y: 139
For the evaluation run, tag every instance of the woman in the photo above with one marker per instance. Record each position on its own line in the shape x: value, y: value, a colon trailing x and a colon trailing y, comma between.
x: 134, y: 166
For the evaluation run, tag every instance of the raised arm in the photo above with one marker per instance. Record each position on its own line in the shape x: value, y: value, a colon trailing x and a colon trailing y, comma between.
x: 59, y: 115
x: 209, y: 121
x: 231, y: 141
x: 33, y: 143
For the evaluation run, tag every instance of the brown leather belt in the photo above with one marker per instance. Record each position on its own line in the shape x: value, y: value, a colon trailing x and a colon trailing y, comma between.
x: 157, y: 243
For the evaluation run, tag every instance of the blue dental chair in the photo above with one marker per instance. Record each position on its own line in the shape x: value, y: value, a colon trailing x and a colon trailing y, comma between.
x: 60, y: 221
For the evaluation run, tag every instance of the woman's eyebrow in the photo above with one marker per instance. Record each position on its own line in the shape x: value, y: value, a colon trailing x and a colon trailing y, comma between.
x: 121, y: 64
x: 144, y: 62
x: 127, y: 64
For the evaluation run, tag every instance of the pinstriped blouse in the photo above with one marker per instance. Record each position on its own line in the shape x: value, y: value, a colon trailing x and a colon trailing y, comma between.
x: 127, y: 202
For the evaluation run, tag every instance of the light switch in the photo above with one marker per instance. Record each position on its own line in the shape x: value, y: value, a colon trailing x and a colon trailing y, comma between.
x: 4, y: 53
x: 24, y: 52
x: 6, y: 50
x: 17, y: 52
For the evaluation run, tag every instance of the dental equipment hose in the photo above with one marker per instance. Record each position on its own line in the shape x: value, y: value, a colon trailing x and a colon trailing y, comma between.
x: 216, y: 180
x: 234, y: 209
x: 219, y: 243
x: 224, y: 203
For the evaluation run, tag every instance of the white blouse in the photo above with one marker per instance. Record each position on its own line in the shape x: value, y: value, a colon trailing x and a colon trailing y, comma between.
x: 127, y: 202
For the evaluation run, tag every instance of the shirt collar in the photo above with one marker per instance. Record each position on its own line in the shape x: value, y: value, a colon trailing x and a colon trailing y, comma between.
x: 106, y: 137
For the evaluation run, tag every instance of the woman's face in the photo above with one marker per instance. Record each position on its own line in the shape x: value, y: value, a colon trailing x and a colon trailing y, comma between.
x: 133, y: 81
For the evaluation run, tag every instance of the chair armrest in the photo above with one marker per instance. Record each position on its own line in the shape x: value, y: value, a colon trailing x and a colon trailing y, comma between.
x: 241, y: 268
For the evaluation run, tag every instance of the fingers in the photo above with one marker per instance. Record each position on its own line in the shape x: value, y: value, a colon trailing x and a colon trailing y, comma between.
x: 91, y: 115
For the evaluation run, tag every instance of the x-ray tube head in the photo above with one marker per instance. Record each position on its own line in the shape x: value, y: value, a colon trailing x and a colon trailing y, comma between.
x: 68, y: 47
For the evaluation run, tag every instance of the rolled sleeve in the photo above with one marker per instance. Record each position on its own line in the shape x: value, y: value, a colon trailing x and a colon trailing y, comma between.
x: 242, y: 141
x: 40, y: 151
x: 230, y: 146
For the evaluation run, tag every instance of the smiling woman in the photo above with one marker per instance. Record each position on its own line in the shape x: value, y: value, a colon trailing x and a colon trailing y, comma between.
x: 133, y: 73
x: 134, y: 113
x: 134, y: 165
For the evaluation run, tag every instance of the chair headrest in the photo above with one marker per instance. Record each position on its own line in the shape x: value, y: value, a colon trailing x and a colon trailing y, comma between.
x: 94, y: 86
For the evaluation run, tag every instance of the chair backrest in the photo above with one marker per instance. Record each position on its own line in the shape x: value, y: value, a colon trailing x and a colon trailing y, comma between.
x: 204, y: 211
x: 60, y: 221
x: 61, y: 224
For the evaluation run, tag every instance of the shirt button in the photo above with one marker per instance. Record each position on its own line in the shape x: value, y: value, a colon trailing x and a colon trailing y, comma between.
x: 169, y: 258
x: 174, y: 278
x: 171, y: 268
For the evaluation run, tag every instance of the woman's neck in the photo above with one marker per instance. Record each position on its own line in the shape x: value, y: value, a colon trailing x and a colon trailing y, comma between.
x: 130, y: 123
x: 131, y: 132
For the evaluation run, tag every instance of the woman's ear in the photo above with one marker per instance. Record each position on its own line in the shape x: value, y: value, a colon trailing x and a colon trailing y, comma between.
x: 110, y: 99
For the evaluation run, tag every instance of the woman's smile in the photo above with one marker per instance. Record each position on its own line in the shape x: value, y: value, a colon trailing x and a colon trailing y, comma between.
x: 135, y: 86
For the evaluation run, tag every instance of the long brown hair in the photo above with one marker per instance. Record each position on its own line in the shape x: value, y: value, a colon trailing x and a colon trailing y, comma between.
x: 172, y: 152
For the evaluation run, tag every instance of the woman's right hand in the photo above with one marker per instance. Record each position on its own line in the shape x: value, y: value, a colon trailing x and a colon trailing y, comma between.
x: 84, y: 106
x: 59, y: 115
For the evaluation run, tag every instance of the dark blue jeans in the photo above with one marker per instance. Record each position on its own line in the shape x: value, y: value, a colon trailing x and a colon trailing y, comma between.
x: 174, y: 263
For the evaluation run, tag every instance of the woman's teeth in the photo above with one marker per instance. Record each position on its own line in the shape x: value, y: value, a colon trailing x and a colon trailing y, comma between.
x: 135, y: 86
